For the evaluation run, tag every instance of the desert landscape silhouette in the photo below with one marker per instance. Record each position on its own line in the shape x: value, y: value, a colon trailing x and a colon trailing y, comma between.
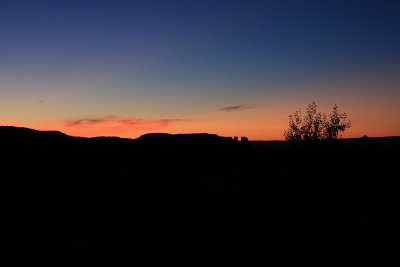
x: 195, y: 198
x: 199, y: 132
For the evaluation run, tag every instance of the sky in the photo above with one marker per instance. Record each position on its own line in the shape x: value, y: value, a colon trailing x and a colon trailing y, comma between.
x: 233, y: 68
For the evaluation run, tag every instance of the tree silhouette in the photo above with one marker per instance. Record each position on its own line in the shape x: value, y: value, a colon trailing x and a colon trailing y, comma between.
x: 315, y: 125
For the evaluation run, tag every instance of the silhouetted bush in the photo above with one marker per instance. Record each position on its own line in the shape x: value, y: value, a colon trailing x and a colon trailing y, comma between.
x: 315, y: 125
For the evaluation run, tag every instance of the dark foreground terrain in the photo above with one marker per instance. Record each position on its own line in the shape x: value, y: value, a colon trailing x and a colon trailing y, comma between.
x: 196, y: 199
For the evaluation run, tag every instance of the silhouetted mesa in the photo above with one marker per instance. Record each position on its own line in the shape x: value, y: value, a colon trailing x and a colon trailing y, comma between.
x: 184, y: 139
x: 244, y: 139
x: 11, y: 132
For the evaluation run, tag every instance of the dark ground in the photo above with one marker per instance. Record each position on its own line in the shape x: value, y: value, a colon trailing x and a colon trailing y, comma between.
x: 196, y: 199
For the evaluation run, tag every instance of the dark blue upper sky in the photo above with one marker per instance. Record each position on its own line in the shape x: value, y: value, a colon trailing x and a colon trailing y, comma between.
x: 193, y: 49
x: 198, y: 38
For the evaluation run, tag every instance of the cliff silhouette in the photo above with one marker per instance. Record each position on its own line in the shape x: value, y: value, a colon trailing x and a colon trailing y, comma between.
x: 165, y: 199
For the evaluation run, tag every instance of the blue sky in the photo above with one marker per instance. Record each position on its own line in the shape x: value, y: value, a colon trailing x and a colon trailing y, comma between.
x: 177, y: 58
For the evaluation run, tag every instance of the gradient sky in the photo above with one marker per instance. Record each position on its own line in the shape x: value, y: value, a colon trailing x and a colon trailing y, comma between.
x: 234, y: 68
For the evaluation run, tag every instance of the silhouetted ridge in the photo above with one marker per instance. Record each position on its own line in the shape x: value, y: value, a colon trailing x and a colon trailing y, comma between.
x: 182, y: 139
x: 12, y: 130
x: 11, y: 133
x: 21, y: 134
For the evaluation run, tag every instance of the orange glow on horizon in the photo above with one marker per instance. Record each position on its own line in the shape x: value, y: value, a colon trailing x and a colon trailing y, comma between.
x: 371, y: 116
x: 124, y: 129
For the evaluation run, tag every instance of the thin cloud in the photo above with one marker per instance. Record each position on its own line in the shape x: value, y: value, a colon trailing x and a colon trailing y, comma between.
x: 120, y: 120
x: 137, y: 121
x: 113, y: 125
x: 235, y: 108
x: 89, y: 121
